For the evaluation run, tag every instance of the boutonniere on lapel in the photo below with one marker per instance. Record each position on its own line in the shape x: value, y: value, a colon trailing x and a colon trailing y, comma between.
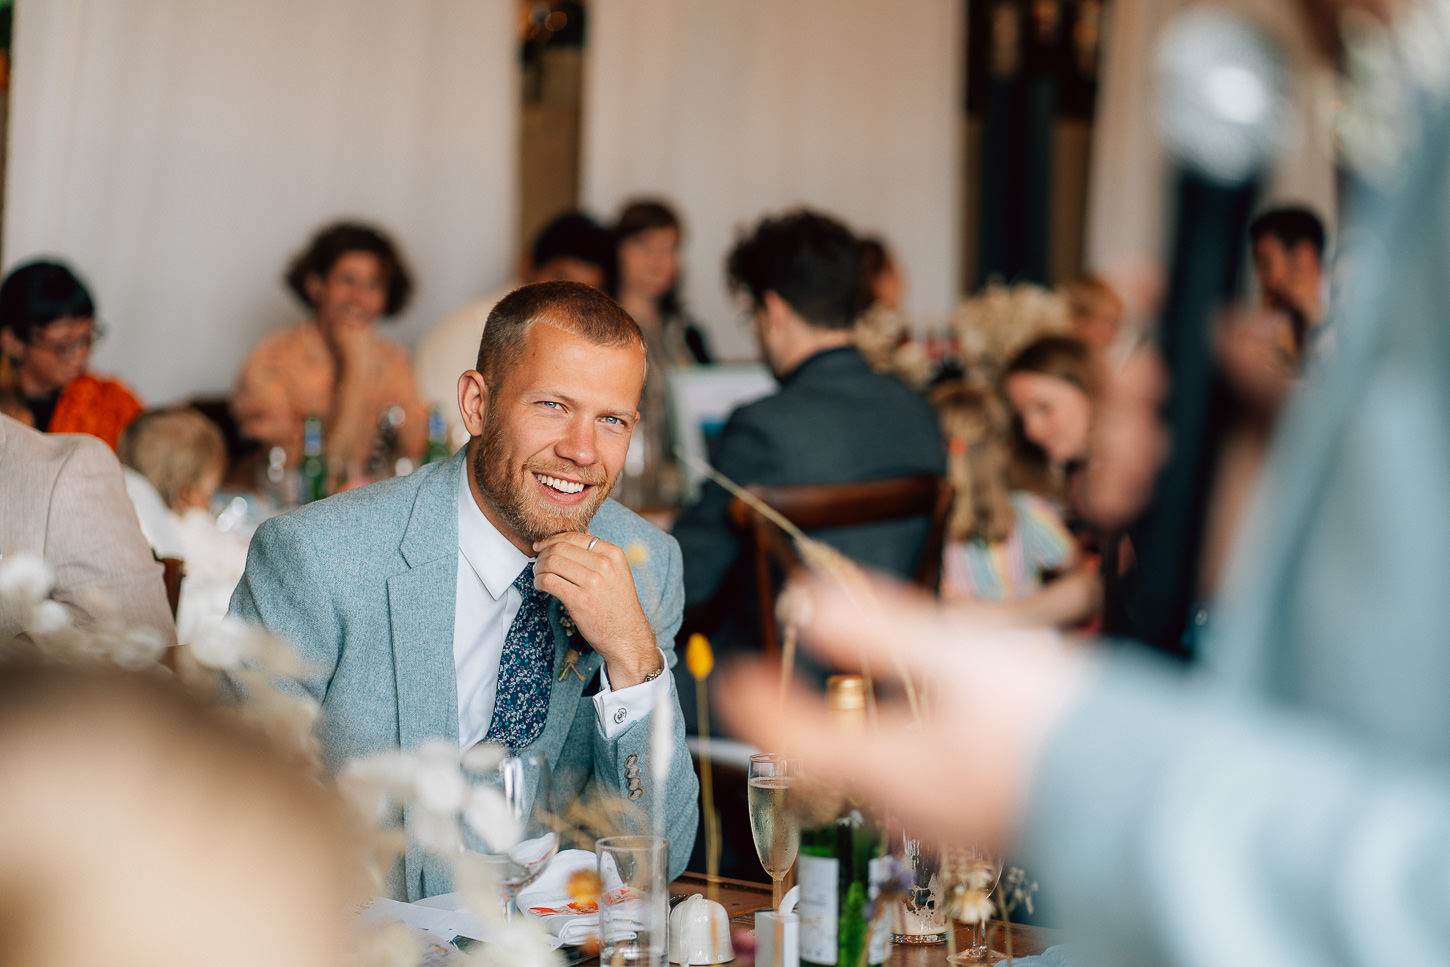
x: 578, y: 647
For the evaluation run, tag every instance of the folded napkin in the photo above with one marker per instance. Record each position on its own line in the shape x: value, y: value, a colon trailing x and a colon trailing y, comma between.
x: 569, y: 921
x: 1051, y: 957
x: 548, y: 899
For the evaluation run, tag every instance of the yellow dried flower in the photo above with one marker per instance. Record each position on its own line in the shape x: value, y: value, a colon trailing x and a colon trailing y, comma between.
x: 584, y: 888
x: 636, y: 553
x: 699, y: 659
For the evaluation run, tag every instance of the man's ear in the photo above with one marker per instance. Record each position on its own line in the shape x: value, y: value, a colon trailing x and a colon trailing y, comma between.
x: 312, y: 285
x: 775, y: 310
x: 472, y: 401
x: 10, y: 345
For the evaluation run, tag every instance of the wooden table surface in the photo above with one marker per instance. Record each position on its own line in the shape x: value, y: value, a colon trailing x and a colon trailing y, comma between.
x: 741, y: 899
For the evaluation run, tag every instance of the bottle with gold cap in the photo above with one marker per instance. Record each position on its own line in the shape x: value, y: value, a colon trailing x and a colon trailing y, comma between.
x: 842, y: 863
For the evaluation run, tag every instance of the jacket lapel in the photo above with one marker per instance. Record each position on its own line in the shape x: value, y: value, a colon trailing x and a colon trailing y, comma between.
x: 420, y: 608
x: 564, y: 692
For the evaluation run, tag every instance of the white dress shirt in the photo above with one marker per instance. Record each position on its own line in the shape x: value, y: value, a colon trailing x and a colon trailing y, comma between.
x: 484, y: 605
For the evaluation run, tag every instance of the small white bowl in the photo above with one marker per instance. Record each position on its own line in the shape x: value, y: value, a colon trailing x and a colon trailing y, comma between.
x: 700, y: 933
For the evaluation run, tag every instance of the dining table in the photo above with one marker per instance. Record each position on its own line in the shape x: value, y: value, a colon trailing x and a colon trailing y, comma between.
x: 741, y: 899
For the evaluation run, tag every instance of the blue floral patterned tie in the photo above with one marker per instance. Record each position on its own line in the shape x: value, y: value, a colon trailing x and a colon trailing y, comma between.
x: 525, y: 670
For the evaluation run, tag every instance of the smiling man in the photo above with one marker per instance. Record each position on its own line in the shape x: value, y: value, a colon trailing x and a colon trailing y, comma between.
x: 434, y: 605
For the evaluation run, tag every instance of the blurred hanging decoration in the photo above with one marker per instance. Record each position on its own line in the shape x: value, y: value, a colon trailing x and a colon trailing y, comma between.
x: 1030, y: 64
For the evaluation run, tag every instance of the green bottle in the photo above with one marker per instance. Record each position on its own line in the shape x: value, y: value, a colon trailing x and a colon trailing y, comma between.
x: 314, y: 465
x: 842, y: 865
x: 437, y: 436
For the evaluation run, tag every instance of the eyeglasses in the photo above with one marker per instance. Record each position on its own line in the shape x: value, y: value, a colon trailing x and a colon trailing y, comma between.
x: 67, y: 348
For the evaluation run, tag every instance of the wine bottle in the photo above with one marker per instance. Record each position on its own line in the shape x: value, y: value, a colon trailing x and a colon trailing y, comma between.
x: 314, y: 465
x: 437, y: 436
x: 842, y: 864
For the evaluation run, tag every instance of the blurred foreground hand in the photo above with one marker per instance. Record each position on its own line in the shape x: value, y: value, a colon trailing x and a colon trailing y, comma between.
x: 991, y: 698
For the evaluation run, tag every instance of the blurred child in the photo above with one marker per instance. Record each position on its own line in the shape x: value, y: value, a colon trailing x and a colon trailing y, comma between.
x: 1004, y: 547
x: 183, y: 456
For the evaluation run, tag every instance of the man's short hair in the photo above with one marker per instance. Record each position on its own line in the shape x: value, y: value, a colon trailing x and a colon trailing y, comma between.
x: 810, y: 260
x: 574, y: 235
x: 574, y: 307
x: 1291, y: 225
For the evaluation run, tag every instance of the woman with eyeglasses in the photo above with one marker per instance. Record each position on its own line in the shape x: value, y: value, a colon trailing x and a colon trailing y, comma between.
x: 47, y: 328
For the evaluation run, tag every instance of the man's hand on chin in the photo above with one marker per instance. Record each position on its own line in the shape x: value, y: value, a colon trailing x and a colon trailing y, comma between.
x: 592, y: 578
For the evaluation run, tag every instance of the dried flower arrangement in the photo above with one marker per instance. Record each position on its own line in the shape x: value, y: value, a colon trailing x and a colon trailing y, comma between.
x: 433, y: 780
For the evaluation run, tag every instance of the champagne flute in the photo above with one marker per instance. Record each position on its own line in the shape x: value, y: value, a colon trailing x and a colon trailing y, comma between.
x: 969, y: 875
x: 774, y: 825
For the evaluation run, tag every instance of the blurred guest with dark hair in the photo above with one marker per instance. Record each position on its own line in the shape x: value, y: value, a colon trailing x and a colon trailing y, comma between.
x: 572, y: 247
x: 1288, y: 249
x: 336, y: 365
x: 885, y: 281
x: 648, y: 236
x: 834, y: 420
x: 47, y: 328
x: 1050, y: 384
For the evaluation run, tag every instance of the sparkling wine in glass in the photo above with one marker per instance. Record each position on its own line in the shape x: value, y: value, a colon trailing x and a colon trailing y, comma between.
x: 774, y: 824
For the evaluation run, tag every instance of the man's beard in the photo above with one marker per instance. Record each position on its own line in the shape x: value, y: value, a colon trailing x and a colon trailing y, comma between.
x: 514, y: 497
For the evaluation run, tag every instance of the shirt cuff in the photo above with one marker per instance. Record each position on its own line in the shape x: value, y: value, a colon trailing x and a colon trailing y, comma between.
x: 618, y: 709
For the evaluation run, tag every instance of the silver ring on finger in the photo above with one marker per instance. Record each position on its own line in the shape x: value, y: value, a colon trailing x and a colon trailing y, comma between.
x: 592, y: 542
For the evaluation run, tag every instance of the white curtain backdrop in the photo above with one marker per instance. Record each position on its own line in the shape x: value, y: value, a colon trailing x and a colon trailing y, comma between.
x: 1127, y: 200
x: 178, y: 152
x: 735, y: 109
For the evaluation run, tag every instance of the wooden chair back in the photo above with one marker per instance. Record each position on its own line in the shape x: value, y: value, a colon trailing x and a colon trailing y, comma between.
x: 172, y: 571
x: 817, y: 506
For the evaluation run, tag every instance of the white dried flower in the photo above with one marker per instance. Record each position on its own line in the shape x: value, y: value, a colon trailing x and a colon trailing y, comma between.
x: 1016, y: 890
x: 48, y: 618
x: 489, y: 816
x: 25, y: 577
x: 225, y: 645
x: 437, y: 781
x: 980, y: 875
x: 483, y: 757
x: 972, y: 906
x: 135, y: 649
x: 437, y: 833
x: 520, y: 942
x: 991, y: 326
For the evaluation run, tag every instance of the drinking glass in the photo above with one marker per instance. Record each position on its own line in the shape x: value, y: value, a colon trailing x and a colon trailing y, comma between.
x: 521, y: 837
x: 920, y: 916
x: 774, y: 824
x: 965, y: 869
x: 633, y: 900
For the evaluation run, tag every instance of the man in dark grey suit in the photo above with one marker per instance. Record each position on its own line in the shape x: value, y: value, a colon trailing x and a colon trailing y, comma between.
x: 834, y: 420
